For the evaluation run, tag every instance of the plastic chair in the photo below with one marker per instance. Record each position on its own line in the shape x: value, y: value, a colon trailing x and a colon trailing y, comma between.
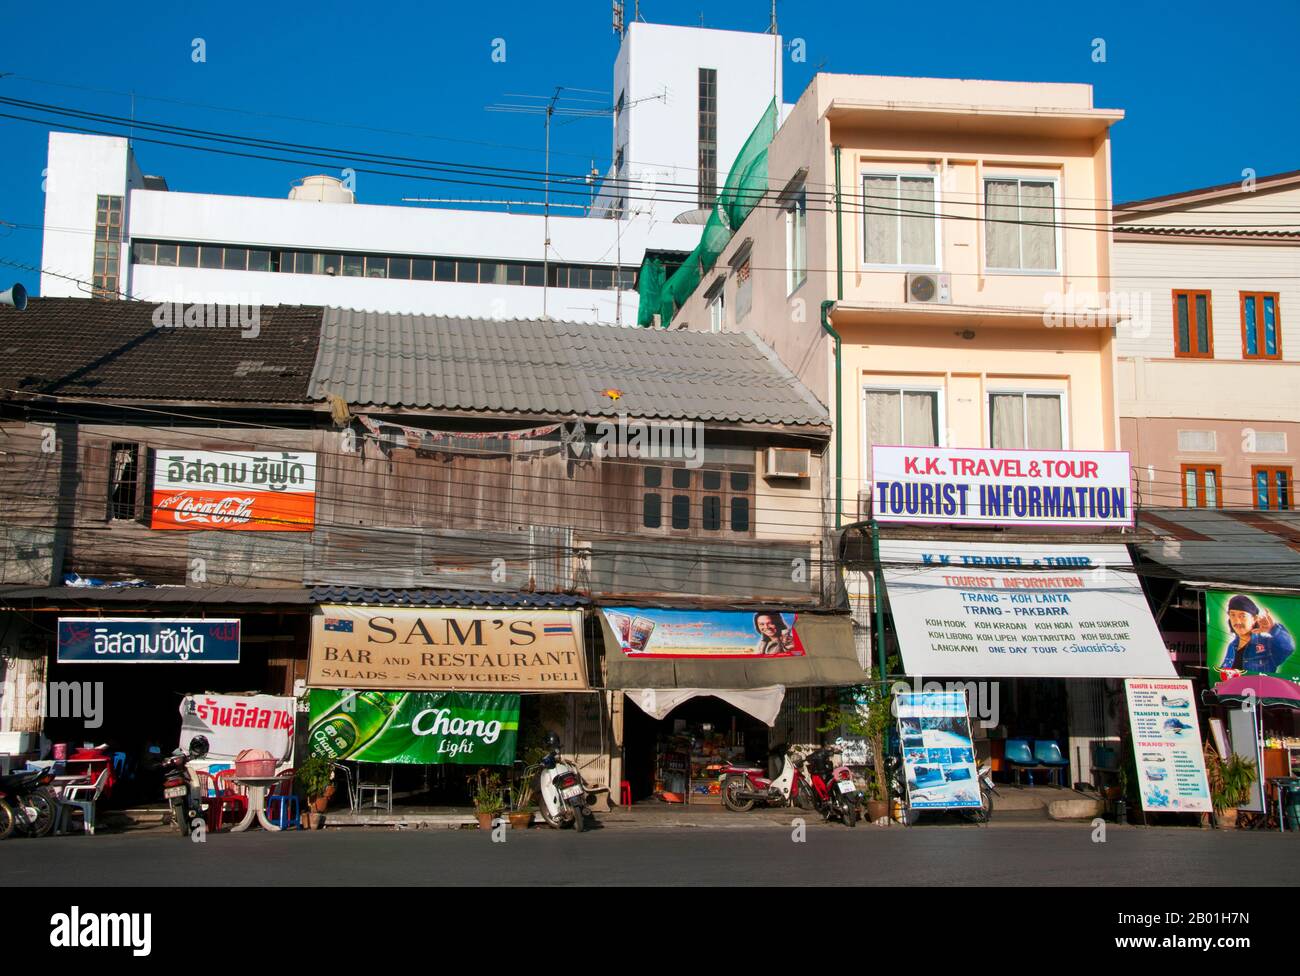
x: 1047, y: 752
x: 282, y: 807
x: 119, y: 765
x: 1018, y: 754
x: 82, y: 798
x: 625, y: 793
x: 375, y: 785
x: 225, y: 795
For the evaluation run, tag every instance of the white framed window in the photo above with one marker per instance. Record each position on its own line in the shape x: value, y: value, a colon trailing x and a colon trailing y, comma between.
x: 717, y: 312
x: 1021, y: 226
x: 1197, y: 442
x: 1267, y: 442
x: 910, y: 415
x: 796, y: 242
x: 1027, y: 420
x: 900, y: 220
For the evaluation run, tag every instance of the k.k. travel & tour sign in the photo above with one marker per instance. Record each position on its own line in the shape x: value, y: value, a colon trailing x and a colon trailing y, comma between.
x: 414, y: 727
x: 985, y: 487
x: 428, y: 649
x: 146, y: 640
x: 251, y: 492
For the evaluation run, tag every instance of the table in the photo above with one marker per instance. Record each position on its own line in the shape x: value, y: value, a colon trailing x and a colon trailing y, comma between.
x: 257, y: 787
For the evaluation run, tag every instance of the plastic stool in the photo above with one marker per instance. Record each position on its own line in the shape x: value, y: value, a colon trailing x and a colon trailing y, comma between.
x: 625, y: 793
x: 288, y: 814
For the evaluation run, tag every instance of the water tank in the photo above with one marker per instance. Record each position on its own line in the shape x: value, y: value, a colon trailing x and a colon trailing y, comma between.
x: 321, y: 189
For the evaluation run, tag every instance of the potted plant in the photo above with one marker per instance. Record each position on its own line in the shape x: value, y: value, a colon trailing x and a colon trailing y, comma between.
x: 315, y: 777
x: 520, y: 814
x: 1230, y: 783
x: 488, y: 803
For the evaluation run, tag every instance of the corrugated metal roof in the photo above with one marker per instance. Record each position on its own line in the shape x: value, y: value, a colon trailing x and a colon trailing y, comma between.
x: 144, y: 597
x: 1225, y: 546
x: 442, y: 598
x: 546, y: 368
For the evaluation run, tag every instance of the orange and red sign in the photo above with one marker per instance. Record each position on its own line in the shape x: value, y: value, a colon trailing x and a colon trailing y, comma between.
x: 251, y: 492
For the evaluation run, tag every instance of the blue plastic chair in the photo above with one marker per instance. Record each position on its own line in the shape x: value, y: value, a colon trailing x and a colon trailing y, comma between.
x: 1047, y: 752
x: 119, y: 765
x: 283, y: 810
x: 1019, y: 755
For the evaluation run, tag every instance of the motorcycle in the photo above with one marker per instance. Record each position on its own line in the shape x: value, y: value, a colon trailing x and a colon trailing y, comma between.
x: 984, y: 773
x: 562, y: 796
x: 29, y: 803
x: 834, y: 793
x: 180, y: 789
x: 743, y: 786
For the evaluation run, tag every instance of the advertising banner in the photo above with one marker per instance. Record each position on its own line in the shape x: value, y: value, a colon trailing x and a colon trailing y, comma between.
x: 974, y: 486
x: 987, y: 610
x: 647, y: 633
x: 938, y: 756
x: 233, y: 723
x: 148, y: 640
x: 414, y: 727
x: 251, y: 492
x: 1167, y: 746
x: 442, y: 649
x: 1252, y: 633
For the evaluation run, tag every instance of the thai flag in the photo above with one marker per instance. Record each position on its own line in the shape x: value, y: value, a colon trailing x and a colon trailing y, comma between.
x: 558, y: 630
x: 338, y: 624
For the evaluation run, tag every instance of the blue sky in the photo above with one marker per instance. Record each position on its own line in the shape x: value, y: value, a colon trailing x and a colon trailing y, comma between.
x: 1208, y: 90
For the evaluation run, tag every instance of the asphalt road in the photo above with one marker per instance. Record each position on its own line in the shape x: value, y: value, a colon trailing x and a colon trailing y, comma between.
x: 830, y: 855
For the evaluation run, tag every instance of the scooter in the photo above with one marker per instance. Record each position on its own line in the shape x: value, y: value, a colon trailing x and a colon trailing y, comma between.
x: 180, y: 789
x: 984, y: 773
x: 834, y: 793
x: 743, y: 786
x: 562, y: 796
x: 30, y: 803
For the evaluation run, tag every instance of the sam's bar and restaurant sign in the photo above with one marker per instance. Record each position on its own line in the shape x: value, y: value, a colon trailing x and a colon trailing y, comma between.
x: 144, y: 640
x: 446, y: 649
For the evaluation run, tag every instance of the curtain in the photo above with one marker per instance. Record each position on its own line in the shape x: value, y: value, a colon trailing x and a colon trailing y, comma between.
x: 1043, y: 419
x: 1001, y: 240
x: 917, y: 197
x: 880, y: 208
x: 920, y: 419
x: 1007, y: 421
x: 883, y: 418
x: 1038, y: 232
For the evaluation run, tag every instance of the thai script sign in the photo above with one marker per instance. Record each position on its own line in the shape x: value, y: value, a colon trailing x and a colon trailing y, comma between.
x: 414, y: 727
x: 261, y: 492
x: 648, y: 633
x: 233, y: 723
x: 1167, y: 745
x: 938, y: 756
x: 145, y: 640
x: 974, y: 486
x: 442, y: 649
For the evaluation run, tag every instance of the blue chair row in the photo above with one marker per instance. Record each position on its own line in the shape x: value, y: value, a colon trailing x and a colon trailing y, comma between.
x: 1044, y: 754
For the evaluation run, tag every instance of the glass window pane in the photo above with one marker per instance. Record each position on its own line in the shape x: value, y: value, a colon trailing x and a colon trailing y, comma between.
x: 1261, y: 489
x: 1252, y: 346
x: 209, y: 256
x: 654, y: 477
x: 399, y: 268
x: 444, y: 271
x: 467, y: 271
x: 880, y: 219
x: 1184, y: 328
x: 711, y: 480
x: 236, y: 259
x: 740, y: 515
x: 330, y: 264
x: 533, y: 275
x: 681, y: 511
x: 1001, y: 233
x: 1211, y: 488
x: 916, y: 201
x: 651, y: 516
x: 1270, y: 326
x: 1007, y: 421
x: 189, y: 257
x: 142, y: 253
x: 353, y: 265
x: 681, y: 478
x: 376, y: 266
x: 307, y: 262
x: 285, y: 262
x: 1038, y: 227
x: 739, y: 481
x: 1203, y: 323
x: 920, y: 419
x: 711, y: 514
x: 579, y: 277
x: 1043, y: 420
x: 514, y: 274
x: 259, y: 260
x: 1189, y: 488
x: 602, y: 278
x: 884, y: 417
x: 422, y: 269
x: 1283, y: 485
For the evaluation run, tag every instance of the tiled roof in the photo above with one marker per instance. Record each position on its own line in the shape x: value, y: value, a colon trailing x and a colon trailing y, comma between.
x: 1210, y: 232
x: 443, y: 598
x: 1226, y: 546
x: 547, y: 368
x: 112, y: 350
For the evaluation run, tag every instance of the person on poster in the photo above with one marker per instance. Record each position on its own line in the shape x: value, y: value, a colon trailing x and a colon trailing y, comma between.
x: 1259, y: 645
x: 774, y: 636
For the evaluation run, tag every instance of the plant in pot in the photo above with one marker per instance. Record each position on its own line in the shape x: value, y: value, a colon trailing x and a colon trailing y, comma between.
x: 522, y: 806
x: 315, y: 777
x: 1230, y: 784
x: 488, y: 802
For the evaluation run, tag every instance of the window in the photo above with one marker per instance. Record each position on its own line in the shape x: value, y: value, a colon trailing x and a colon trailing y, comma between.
x: 902, y: 417
x: 353, y: 265
x: 701, y: 500
x: 123, y: 481
x: 1261, y: 327
x: 1020, y: 224
x: 1272, y: 488
x: 796, y: 242
x: 744, y: 290
x: 1197, y: 441
x: 1267, y: 442
x: 189, y: 256
x: 144, y: 253
x: 399, y: 268
x: 210, y: 256
x: 236, y: 259
x: 681, y: 511
x: 739, y: 514
x: 376, y: 266
x: 422, y: 269
x: 108, y: 247
x: 259, y: 260
x: 707, y: 128
x: 167, y: 255
x: 717, y: 311
x: 652, y: 503
x: 1201, y: 486
x: 899, y: 220
x: 1193, y: 326
x: 1019, y: 421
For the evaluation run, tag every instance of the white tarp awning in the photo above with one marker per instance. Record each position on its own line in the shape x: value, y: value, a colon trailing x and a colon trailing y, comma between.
x: 762, y: 703
x: 992, y: 610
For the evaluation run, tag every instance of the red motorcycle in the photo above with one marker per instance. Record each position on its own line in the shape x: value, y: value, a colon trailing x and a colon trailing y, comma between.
x: 834, y: 792
x: 743, y: 786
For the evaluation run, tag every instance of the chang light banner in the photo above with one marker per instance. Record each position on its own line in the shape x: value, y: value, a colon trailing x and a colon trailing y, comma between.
x: 1167, y: 745
x: 986, y: 610
x: 442, y: 649
x: 251, y: 492
x: 972, y: 486
x: 414, y: 727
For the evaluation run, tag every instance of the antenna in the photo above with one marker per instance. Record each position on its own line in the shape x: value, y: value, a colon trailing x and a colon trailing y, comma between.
x: 772, y: 27
x: 618, y: 17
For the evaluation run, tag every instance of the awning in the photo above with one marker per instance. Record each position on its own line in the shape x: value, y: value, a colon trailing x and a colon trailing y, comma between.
x: 995, y: 610
x: 727, y: 649
x: 143, y: 597
x: 1206, y: 547
x: 762, y: 703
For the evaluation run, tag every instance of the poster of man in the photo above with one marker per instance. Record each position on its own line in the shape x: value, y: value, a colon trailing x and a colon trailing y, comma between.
x: 1251, y: 633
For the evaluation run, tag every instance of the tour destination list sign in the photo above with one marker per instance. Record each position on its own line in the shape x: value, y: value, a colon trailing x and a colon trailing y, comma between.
x: 974, y: 486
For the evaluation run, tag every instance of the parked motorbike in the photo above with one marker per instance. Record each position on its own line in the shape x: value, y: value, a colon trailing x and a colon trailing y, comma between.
x: 30, y: 803
x: 562, y: 796
x: 180, y: 789
x: 987, y: 791
x: 834, y: 793
x: 743, y: 786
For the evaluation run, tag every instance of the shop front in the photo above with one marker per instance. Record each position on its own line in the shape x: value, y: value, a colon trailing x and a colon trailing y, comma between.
x: 710, y: 687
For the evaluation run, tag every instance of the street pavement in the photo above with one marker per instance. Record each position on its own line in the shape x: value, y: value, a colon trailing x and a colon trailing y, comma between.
x: 766, y: 854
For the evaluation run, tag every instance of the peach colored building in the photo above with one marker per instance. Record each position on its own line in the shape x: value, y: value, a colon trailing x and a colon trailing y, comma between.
x: 1209, y: 377
x: 957, y: 227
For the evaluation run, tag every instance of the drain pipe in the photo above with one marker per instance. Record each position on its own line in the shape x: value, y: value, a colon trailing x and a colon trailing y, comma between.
x: 827, y: 306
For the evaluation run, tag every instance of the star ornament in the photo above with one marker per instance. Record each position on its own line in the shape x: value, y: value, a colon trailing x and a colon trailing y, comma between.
x: 612, y: 393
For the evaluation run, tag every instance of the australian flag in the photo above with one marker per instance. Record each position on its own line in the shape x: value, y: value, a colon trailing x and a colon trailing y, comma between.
x: 338, y: 625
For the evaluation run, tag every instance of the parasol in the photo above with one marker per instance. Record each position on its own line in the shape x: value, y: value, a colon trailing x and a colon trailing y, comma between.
x: 1264, y: 688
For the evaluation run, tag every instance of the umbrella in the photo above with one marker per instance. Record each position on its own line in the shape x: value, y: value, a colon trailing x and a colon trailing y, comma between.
x: 1265, y: 689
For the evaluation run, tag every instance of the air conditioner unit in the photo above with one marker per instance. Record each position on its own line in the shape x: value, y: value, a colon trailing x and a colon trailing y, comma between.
x: 788, y: 462
x: 927, y: 288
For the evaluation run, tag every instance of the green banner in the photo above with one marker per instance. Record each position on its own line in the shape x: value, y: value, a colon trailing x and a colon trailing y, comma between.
x: 414, y: 727
x: 1251, y: 633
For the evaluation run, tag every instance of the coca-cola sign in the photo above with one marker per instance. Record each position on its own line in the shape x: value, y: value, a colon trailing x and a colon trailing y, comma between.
x: 259, y: 492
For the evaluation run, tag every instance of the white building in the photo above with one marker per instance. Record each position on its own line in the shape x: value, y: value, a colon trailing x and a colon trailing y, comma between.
x: 682, y: 95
